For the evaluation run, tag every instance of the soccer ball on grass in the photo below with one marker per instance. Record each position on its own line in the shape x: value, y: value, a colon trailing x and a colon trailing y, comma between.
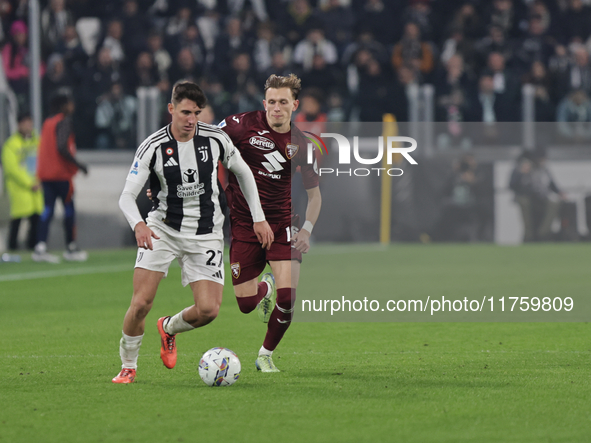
x: 219, y: 367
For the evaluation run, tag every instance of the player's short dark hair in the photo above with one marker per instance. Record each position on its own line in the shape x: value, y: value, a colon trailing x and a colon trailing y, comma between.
x: 290, y: 81
x: 189, y: 90
x: 58, y: 102
x: 24, y: 116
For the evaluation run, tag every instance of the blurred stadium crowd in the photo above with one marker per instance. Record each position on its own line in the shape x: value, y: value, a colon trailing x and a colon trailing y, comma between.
x: 357, y: 58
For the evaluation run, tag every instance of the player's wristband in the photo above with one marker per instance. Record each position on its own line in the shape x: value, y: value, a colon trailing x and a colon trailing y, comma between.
x: 308, y: 226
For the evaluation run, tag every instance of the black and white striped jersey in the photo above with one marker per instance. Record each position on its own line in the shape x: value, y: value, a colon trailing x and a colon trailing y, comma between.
x: 183, y: 178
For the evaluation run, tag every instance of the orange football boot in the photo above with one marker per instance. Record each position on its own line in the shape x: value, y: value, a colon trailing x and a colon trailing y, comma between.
x: 167, y: 345
x: 125, y: 376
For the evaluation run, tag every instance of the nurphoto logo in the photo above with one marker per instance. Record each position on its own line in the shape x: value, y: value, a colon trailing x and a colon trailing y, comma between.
x: 395, y: 145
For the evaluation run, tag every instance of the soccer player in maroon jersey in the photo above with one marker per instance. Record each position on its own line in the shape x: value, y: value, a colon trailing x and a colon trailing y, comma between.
x: 272, y: 148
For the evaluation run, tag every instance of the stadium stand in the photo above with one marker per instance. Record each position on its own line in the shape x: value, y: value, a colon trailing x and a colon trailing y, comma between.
x: 513, y: 41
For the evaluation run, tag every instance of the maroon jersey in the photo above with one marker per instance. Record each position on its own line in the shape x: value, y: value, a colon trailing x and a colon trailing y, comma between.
x: 272, y: 157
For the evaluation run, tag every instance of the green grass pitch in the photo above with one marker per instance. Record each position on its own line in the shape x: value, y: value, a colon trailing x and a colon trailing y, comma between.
x: 340, y: 382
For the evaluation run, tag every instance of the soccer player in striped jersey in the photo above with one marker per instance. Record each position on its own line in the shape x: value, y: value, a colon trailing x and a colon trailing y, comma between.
x: 273, y: 148
x: 185, y: 223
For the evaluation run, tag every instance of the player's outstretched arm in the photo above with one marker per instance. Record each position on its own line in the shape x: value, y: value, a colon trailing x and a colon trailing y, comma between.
x: 301, y: 241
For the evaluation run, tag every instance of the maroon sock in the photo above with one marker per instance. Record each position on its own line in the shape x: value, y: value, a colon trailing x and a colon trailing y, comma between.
x: 247, y: 304
x: 280, y: 317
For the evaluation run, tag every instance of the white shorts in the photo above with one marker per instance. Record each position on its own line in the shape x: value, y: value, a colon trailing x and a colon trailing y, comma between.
x: 199, y: 259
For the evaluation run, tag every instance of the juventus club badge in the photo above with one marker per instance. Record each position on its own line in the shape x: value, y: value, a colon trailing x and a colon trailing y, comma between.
x: 235, y: 267
x: 204, y: 153
x: 291, y: 150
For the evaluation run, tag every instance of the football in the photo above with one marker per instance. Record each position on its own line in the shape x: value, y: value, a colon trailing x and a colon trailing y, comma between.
x: 219, y: 367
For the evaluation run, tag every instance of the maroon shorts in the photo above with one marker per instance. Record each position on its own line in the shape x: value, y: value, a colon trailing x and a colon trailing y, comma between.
x: 248, y: 258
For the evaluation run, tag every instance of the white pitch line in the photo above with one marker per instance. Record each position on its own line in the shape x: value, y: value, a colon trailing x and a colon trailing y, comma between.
x: 64, y: 272
x: 321, y: 250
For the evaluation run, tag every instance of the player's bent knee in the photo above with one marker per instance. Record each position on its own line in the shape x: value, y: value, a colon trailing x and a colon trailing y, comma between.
x: 141, y: 308
x: 207, y: 316
x: 208, y: 313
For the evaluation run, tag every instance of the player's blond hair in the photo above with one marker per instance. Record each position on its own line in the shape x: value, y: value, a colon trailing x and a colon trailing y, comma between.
x: 290, y: 81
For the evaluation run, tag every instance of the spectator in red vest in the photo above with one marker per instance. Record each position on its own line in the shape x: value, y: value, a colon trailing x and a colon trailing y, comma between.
x: 56, y: 168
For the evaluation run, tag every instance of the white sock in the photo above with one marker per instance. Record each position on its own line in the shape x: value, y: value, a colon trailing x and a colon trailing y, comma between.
x: 264, y: 351
x: 177, y: 324
x: 269, y: 291
x: 129, y: 349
